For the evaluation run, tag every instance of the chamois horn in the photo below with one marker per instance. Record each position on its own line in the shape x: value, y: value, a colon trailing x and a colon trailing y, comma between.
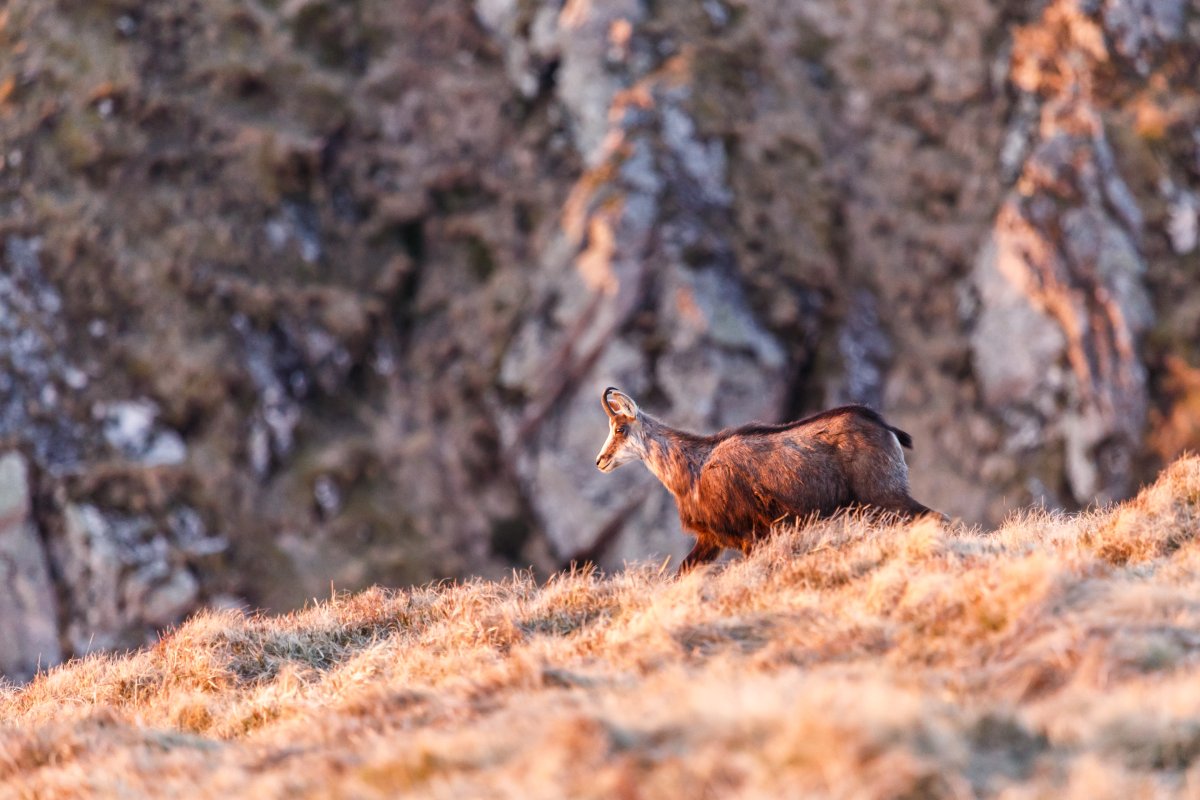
x: 604, y: 401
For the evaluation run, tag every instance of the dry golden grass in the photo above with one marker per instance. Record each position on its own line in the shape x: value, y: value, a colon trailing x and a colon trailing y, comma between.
x: 1058, y: 656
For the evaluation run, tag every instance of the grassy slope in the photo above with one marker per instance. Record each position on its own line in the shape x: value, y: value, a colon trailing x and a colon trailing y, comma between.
x: 1058, y: 656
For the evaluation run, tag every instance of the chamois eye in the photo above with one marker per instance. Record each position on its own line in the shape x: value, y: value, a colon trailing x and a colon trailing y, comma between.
x: 621, y: 430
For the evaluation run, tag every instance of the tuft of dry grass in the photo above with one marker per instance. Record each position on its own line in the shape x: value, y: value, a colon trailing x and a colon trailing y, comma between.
x: 1058, y: 656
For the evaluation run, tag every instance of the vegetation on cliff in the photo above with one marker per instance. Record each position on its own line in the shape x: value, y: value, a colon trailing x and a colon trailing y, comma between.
x: 1054, y: 655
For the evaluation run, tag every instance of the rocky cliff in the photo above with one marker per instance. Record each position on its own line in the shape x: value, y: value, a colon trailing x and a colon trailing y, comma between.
x: 311, y: 292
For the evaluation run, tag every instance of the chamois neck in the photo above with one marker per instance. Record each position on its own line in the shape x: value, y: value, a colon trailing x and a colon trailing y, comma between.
x: 675, y: 457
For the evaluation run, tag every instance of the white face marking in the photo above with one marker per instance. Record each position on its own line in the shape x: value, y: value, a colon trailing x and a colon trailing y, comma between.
x: 619, y: 448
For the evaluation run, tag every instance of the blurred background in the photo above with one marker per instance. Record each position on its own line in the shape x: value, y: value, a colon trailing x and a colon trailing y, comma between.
x: 303, y: 294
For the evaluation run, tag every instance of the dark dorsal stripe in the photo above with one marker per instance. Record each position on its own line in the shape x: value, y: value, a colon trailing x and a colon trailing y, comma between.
x: 764, y: 429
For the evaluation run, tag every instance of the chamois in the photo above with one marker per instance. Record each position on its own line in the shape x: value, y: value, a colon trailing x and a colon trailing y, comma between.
x: 733, y: 486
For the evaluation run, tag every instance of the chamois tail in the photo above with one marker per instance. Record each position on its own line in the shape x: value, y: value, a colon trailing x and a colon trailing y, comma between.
x: 902, y: 437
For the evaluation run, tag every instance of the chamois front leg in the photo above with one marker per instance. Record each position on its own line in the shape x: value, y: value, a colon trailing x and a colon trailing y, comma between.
x: 704, y: 552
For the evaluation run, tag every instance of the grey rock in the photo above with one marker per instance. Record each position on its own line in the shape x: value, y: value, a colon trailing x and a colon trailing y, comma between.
x: 1015, y: 345
x: 273, y: 426
x: 1065, y: 249
x: 130, y: 428
x: 586, y: 81
x: 89, y: 562
x: 36, y: 373
x: 295, y: 224
x: 190, y: 535
x: 127, y: 575
x: 865, y: 351
x: 28, y: 608
x: 166, y: 448
x: 327, y: 495
x: 1183, y: 224
x: 164, y: 599
x: 1138, y: 26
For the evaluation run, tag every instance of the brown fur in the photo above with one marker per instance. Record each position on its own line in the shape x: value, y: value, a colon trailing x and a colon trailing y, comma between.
x: 732, y: 487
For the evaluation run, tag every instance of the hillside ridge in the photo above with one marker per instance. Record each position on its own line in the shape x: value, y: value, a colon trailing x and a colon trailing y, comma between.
x: 1058, y: 653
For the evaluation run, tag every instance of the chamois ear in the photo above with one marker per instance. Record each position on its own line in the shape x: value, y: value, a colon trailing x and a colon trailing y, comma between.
x: 620, y: 403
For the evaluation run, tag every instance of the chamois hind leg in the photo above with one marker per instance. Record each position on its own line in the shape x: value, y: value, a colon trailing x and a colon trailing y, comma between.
x: 704, y: 552
x: 883, y: 484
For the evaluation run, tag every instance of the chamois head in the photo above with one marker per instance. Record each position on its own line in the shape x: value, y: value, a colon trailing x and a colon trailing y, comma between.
x: 625, y: 441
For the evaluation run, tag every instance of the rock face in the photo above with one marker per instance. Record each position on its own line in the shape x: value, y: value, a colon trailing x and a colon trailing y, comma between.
x: 326, y: 292
x: 1064, y: 277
